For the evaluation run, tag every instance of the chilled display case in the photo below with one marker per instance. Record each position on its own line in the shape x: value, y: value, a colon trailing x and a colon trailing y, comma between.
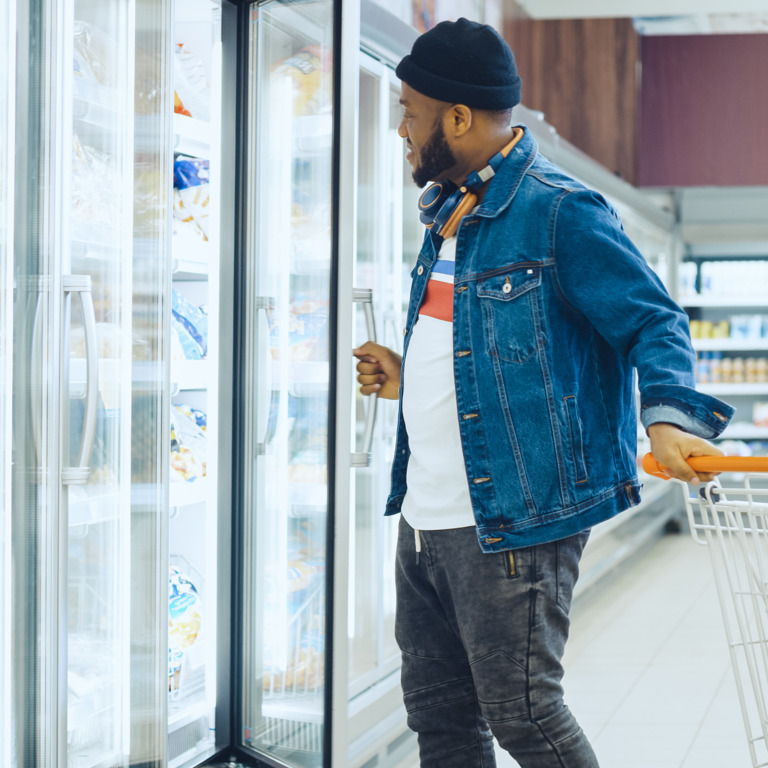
x: 89, y: 274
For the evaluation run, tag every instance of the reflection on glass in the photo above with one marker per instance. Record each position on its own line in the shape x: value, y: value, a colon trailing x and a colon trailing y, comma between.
x: 6, y: 373
x: 148, y: 360
x: 100, y: 225
x: 386, y: 207
x: 287, y: 360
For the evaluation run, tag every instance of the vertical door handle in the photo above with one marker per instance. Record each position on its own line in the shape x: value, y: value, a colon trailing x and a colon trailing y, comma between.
x: 267, y: 304
x: 362, y: 458
x: 81, y: 285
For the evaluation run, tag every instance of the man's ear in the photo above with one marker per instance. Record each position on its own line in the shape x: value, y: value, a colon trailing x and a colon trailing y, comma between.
x: 458, y: 119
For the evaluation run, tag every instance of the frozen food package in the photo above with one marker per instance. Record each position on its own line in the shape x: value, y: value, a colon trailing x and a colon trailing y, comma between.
x: 191, y: 83
x: 191, y: 325
x: 92, y: 64
x: 185, y: 618
x: 188, y: 443
x: 94, y: 184
x: 191, y: 176
x: 309, y: 71
x: 307, y: 329
x: 178, y: 105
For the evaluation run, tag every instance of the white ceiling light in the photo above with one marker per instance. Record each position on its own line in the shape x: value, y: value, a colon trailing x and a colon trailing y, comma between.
x: 583, y: 9
x: 703, y: 24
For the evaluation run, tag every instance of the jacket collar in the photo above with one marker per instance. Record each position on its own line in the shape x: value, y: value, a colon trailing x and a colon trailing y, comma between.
x: 509, y: 175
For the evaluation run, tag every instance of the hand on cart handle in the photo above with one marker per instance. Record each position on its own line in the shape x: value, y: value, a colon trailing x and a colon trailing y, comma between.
x: 674, y: 448
x: 710, y: 464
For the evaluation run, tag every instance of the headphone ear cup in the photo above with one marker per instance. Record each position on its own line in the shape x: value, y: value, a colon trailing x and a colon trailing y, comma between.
x: 433, y: 199
x: 463, y: 207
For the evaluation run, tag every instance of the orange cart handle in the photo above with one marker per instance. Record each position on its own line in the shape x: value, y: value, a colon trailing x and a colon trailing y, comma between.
x: 711, y: 464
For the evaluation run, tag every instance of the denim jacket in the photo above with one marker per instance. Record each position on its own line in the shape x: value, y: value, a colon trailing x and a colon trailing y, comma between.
x: 553, y: 311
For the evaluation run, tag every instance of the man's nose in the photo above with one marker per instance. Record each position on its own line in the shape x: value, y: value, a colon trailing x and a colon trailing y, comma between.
x: 401, y: 132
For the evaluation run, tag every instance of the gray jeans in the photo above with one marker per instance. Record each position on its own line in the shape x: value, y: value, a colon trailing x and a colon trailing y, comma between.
x: 482, y: 637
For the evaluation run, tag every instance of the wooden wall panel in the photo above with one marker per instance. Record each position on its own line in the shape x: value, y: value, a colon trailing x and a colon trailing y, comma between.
x: 704, y: 111
x: 582, y: 74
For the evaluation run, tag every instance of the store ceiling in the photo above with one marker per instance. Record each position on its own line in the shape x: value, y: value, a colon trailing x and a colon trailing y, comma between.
x: 662, y: 17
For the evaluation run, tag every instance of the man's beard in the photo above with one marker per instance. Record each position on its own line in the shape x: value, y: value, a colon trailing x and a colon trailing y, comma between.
x: 435, y: 157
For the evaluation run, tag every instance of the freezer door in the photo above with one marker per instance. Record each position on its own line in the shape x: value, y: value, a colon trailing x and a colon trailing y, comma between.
x: 90, y: 434
x: 7, y: 116
x: 285, y: 380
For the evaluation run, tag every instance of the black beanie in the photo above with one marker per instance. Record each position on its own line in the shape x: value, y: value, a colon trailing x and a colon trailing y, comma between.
x: 463, y: 62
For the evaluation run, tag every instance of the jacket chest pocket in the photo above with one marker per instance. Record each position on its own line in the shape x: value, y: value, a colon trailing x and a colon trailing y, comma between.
x: 510, y: 313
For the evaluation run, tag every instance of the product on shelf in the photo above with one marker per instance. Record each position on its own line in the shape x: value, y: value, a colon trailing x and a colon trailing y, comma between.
x: 191, y: 176
x: 93, y: 185
x: 745, y: 327
x: 714, y: 368
x: 760, y: 414
x: 108, y: 336
x: 91, y: 57
x: 189, y: 328
x: 185, y: 618
x: 188, y: 443
x: 309, y: 71
x: 307, y: 330
x: 192, y: 92
x: 731, y: 277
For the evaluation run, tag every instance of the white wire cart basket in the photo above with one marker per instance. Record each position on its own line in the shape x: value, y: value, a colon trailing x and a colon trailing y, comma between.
x: 729, y: 515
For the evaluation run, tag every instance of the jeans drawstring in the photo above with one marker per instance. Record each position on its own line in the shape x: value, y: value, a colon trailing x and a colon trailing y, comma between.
x: 418, y: 544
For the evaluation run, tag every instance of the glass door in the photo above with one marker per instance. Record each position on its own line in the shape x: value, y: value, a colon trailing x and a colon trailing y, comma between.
x: 7, y: 132
x: 286, y: 380
x: 90, y: 277
x: 373, y: 652
x: 386, y: 208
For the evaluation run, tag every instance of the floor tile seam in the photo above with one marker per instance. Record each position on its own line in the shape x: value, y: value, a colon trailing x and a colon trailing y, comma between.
x: 713, y: 699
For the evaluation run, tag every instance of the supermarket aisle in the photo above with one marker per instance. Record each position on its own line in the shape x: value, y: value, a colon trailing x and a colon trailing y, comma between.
x: 647, y: 669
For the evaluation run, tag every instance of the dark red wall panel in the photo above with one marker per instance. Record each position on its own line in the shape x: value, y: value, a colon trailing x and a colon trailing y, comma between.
x: 703, y: 111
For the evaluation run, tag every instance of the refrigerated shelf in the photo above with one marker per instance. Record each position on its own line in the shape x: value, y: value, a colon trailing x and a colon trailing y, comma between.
x: 191, y: 374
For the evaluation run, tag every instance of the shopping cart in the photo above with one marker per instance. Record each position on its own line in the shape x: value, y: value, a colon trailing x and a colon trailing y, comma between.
x: 730, y: 516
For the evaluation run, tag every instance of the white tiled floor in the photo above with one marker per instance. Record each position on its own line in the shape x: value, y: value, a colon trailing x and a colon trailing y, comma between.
x: 647, y: 668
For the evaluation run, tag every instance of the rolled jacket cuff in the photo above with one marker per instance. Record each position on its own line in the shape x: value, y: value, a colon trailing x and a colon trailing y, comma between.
x: 708, y: 428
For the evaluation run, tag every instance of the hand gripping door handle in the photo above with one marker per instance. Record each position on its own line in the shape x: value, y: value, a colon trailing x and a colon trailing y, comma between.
x: 81, y: 285
x: 362, y: 458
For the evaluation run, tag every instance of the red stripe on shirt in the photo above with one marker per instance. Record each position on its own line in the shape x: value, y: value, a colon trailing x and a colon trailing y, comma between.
x: 438, y: 301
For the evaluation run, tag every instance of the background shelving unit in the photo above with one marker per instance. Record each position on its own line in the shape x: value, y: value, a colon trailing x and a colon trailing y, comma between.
x: 195, y: 278
x: 722, y: 284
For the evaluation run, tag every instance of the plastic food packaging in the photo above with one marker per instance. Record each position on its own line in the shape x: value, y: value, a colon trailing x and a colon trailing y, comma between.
x: 188, y: 443
x: 93, y: 186
x: 191, y: 176
x: 189, y: 325
x: 185, y: 619
x: 309, y: 71
x: 192, y: 90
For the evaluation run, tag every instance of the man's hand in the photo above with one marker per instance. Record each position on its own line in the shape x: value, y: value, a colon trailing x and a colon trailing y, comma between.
x: 671, y: 446
x: 378, y: 370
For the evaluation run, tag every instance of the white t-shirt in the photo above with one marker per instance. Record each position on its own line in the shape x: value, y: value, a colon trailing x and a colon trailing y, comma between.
x: 438, y: 493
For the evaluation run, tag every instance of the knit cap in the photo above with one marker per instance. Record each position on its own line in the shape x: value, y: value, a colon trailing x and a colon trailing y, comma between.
x: 463, y: 62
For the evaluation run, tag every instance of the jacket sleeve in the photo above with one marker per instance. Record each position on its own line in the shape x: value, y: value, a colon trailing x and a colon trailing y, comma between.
x: 602, y: 275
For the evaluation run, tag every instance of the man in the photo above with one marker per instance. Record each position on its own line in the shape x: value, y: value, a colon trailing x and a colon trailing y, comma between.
x: 530, y: 310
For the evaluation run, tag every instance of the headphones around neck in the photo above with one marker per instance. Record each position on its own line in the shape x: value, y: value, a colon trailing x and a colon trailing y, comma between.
x: 442, y: 205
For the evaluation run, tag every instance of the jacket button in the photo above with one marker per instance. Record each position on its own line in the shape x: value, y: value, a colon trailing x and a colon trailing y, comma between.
x: 420, y: 270
x: 507, y: 287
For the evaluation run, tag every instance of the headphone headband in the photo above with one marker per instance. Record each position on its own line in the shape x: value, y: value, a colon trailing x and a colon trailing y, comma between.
x: 442, y: 205
x: 476, y: 179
